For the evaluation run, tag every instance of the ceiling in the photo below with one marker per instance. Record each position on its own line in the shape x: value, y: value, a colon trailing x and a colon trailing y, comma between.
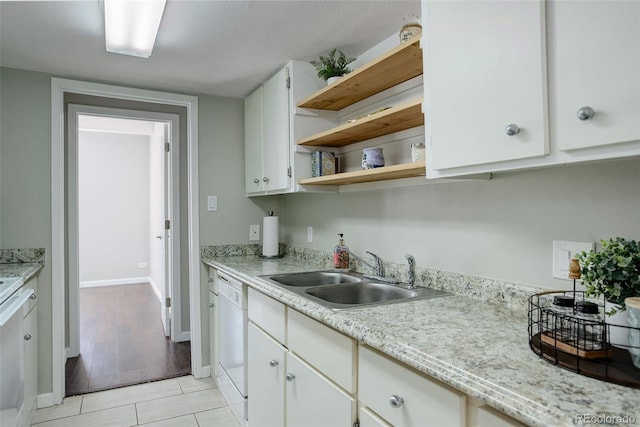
x: 225, y: 48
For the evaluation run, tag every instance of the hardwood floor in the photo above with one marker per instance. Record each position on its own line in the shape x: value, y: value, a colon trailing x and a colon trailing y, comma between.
x: 122, y: 341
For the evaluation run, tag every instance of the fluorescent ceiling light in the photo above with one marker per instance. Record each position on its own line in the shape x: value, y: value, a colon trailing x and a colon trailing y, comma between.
x: 131, y: 26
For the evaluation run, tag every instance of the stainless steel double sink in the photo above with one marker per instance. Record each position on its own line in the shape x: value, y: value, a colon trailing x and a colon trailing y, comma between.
x: 341, y: 290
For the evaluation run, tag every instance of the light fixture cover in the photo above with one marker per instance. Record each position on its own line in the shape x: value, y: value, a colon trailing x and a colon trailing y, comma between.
x: 131, y: 26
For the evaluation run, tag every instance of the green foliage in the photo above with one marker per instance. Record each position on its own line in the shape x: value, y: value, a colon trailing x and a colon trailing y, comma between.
x: 613, y: 272
x: 332, y: 65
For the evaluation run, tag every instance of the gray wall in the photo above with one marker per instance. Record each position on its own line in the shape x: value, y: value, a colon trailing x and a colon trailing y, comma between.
x: 501, y: 229
x: 25, y: 195
x: 113, y: 205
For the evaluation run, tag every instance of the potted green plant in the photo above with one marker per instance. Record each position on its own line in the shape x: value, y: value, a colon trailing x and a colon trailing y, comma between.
x: 613, y: 273
x: 332, y: 66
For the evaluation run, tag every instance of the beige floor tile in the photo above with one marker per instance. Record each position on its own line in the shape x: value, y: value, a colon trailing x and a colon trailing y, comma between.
x: 175, y: 406
x: 128, y: 395
x: 184, y: 421
x: 189, y: 383
x: 124, y: 416
x: 70, y: 406
x: 221, y: 417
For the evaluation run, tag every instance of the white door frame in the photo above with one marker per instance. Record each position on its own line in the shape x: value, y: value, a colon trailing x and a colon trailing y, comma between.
x: 58, y: 273
x: 172, y: 275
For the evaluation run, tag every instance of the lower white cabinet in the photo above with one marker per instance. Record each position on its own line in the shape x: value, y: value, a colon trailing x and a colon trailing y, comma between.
x: 266, y: 367
x: 313, y: 400
x: 369, y: 419
x: 214, y: 330
x: 30, y: 329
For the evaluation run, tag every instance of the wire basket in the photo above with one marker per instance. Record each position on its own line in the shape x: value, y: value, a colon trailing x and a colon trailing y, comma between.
x: 578, y: 344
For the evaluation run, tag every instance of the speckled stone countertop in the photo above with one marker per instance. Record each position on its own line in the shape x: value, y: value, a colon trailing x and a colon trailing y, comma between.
x: 476, y: 347
x: 26, y: 270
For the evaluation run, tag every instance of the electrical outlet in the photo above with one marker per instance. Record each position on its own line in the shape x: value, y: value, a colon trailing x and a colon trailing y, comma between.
x: 563, y: 252
x: 254, y: 232
x: 309, y: 234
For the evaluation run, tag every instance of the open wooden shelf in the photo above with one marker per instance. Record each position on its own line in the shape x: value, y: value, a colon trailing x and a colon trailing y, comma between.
x: 406, y: 170
x: 398, y: 65
x: 400, y: 117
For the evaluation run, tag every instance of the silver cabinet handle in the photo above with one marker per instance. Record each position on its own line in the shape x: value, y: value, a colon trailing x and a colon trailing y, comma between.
x: 396, y: 401
x: 585, y: 113
x: 512, y: 129
x: 256, y: 180
x: 159, y: 237
x: 224, y: 279
x: 211, y: 305
x: 33, y: 296
x: 290, y: 377
x: 265, y: 179
x: 273, y: 363
x: 210, y: 280
x: 27, y: 337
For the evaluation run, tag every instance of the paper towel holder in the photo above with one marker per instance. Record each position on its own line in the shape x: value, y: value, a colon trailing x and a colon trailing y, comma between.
x: 280, y: 254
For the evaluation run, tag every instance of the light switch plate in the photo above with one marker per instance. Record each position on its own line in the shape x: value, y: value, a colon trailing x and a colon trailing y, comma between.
x: 212, y: 203
x: 563, y: 252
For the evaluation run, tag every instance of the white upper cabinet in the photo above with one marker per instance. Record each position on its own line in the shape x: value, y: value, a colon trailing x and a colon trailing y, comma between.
x: 594, y: 72
x: 253, y: 142
x: 485, y: 82
x: 267, y: 136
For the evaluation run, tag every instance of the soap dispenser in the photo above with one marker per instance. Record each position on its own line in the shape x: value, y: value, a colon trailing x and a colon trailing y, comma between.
x: 341, y: 255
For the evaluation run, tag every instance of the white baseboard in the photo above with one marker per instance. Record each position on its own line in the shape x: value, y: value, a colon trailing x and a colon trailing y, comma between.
x: 155, y: 288
x: 184, y: 336
x: 46, y: 400
x: 115, y: 282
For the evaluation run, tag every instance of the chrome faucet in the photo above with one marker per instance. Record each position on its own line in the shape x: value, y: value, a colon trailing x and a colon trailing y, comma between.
x: 411, y: 280
x: 379, y: 265
x: 379, y: 274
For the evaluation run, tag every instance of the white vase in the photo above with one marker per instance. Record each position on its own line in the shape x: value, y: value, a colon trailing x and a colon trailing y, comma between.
x: 332, y: 80
x: 618, y: 330
x: 633, y: 307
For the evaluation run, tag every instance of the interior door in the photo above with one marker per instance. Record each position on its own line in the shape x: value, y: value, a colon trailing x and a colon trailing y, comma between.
x: 171, y: 237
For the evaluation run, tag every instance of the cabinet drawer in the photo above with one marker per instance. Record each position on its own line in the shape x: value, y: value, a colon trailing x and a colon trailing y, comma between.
x: 423, y: 399
x: 267, y: 313
x: 212, y: 280
x: 369, y: 419
x: 326, y: 349
x: 489, y: 417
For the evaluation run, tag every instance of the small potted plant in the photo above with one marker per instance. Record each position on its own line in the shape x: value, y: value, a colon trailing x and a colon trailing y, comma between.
x: 613, y: 273
x: 333, y: 66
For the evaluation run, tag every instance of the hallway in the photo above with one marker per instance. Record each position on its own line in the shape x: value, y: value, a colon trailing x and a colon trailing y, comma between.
x: 122, y: 341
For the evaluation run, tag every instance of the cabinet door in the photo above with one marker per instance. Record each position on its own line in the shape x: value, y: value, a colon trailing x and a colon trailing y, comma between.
x: 30, y: 365
x: 485, y: 69
x: 266, y: 368
x: 213, y: 334
x: 276, y: 132
x: 312, y: 400
x: 369, y: 419
x: 594, y: 62
x: 253, y: 142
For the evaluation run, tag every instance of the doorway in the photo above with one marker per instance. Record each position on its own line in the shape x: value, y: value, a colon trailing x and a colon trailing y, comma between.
x: 122, y: 179
x: 186, y: 106
x: 126, y: 257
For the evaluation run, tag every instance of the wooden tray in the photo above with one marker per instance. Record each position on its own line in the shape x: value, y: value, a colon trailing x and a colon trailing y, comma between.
x: 567, y: 347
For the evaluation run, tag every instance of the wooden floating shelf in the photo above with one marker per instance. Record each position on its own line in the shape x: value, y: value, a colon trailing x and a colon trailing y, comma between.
x: 394, y: 67
x: 406, y: 170
x: 395, y: 119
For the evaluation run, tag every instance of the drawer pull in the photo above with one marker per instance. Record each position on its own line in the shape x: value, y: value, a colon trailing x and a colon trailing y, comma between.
x: 33, y: 296
x: 512, y: 129
x: 396, y: 401
x: 211, y: 305
x: 290, y: 377
x: 585, y: 113
x: 27, y: 337
x: 210, y: 280
x: 273, y: 363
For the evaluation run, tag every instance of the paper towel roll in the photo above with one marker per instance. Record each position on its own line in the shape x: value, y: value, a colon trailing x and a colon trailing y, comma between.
x: 270, y: 236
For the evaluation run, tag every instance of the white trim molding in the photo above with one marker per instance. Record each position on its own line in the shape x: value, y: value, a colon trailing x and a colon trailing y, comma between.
x: 58, y: 88
x: 116, y: 282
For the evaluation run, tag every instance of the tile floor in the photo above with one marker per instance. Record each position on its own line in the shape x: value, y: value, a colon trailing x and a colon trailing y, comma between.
x: 177, y: 402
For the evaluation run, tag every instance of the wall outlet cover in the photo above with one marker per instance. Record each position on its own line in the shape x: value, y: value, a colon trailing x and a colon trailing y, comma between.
x: 212, y: 203
x: 254, y: 232
x: 563, y: 252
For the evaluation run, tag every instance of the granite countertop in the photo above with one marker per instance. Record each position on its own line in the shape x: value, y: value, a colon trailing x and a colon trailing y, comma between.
x: 26, y: 270
x: 476, y: 347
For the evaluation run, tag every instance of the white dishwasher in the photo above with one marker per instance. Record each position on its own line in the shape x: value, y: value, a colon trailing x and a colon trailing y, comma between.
x: 232, y: 381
